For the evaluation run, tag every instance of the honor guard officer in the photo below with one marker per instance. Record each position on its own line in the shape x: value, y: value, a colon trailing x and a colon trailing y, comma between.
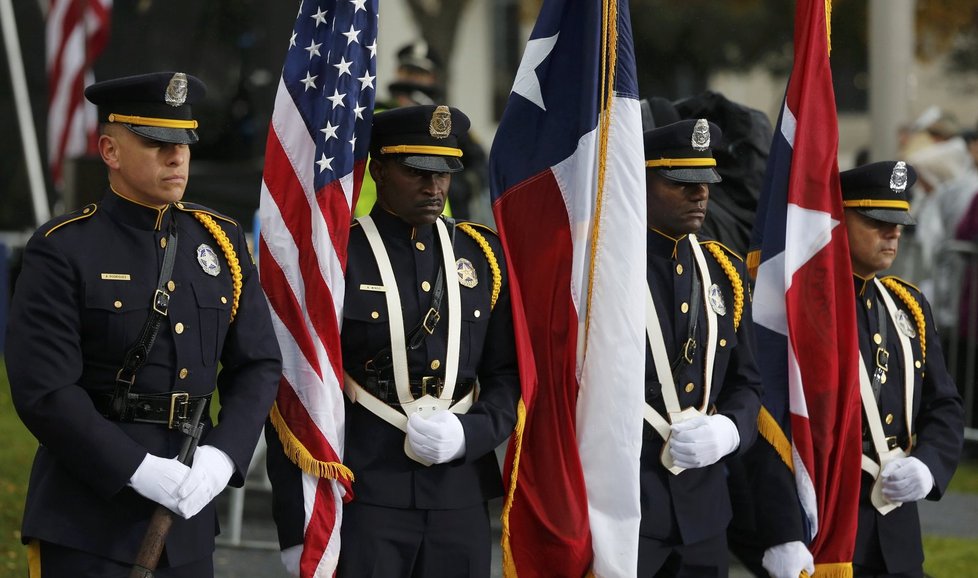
x: 431, y: 380
x: 121, y: 316
x: 702, y: 385
x: 913, y: 418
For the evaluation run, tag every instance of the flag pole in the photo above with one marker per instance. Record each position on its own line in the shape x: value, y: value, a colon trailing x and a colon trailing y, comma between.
x: 25, y: 118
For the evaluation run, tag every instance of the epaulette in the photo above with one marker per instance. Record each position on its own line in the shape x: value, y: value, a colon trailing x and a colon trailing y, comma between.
x: 899, y: 288
x: 195, y: 208
x: 736, y: 284
x: 72, y: 217
x: 733, y: 253
x: 497, y: 277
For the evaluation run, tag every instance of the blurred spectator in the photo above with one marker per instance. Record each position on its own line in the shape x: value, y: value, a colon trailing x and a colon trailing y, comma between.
x: 947, y: 183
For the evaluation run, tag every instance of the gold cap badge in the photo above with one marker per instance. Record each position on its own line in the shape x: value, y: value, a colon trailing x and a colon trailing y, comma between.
x: 441, y: 122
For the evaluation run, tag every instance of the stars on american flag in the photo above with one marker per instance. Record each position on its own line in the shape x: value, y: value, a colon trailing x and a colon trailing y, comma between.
x: 329, y: 70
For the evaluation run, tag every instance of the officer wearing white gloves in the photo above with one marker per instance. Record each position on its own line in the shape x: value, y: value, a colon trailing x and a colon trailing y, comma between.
x: 128, y: 314
x: 432, y: 380
x: 702, y: 386
x: 913, y: 419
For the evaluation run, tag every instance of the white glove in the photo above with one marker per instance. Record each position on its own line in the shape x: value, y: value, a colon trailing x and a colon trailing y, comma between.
x: 788, y: 560
x: 702, y: 441
x: 209, y: 475
x: 290, y: 559
x: 438, y: 439
x: 906, y: 480
x: 158, y: 479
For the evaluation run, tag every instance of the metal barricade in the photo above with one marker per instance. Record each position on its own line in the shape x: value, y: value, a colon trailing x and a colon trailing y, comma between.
x: 255, y: 481
x: 955, y: 307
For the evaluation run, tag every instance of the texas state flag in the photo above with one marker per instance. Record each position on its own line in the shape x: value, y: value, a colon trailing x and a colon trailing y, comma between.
x: 568, y: 186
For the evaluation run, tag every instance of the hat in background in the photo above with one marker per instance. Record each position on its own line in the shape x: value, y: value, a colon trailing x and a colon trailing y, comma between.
x: 423, y: 137
x: 880, y: 191
x: 156, y: 105
x: 657, y: 111
x: 420, y: 55
x: 682, y: 151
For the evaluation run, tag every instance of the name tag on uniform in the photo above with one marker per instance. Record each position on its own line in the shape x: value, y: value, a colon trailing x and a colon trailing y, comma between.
x: 115, y: 276
x: 378, y: 288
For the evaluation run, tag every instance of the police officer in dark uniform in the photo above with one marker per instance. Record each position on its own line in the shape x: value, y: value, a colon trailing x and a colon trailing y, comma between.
x: 913, y: 418
x: 431, y: 380
x: 702, y: 385
x: 122, y: 313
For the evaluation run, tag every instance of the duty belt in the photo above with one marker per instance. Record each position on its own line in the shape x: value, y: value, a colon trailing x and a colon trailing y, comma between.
x: 386, y: 391
x: 171, y: 409
x: 892, y: 442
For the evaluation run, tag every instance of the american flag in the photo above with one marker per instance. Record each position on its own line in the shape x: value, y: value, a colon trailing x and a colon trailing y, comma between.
x: 314, y: 163
x: 76, y: 32
x: 804, y: 309
x: 568, y: 186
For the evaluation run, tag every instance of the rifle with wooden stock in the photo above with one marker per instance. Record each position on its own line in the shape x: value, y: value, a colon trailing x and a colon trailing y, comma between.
x: 159, y: 524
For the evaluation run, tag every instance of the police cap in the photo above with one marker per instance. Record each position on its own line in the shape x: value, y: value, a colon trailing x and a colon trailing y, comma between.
x: 155, y: 105
x: 423, y: 137
x: 880, y: 191
x: 681, y: 151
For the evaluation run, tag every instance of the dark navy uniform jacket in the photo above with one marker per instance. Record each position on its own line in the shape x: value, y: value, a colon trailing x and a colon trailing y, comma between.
x: 82, y: 298
x: 374, y: 449
x: 893, y: 541
x: 695, y: 505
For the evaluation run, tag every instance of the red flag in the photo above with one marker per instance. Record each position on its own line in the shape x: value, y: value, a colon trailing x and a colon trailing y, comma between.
x: 568, y: 183
x: 314, y: 163
x: 76, y: 32
x: 803, y: 303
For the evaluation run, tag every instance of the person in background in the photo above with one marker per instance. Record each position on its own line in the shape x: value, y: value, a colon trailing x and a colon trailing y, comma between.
x: 912, y: 414
x: 123, y: 313
x: 702, y: 385
x: 431, y: 371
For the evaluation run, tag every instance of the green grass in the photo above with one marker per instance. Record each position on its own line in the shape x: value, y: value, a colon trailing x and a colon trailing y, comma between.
x: 16, y: 455
x: 950, y: 557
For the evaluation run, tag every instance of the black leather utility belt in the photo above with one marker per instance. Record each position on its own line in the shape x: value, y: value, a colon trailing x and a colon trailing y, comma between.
x: 171, y: 409
x: 386, y: 390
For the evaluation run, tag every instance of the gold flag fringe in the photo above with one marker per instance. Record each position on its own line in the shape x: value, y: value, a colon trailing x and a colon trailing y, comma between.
x: 300, y: 456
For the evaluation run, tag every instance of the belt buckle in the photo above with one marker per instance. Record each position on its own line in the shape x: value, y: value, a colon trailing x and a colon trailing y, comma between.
x: 436, y: 387
x: 430, y: 320
x: 891, y: 442
x: 882, y: 359
x: 179, y: 402
x: 689, y: 350
x: 161, y: 301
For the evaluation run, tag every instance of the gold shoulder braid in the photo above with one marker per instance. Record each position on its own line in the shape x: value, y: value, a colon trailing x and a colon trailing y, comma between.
x: 497, y: 276
x: 914, y: 307
x: 735, y: 282
x: 222, y: 240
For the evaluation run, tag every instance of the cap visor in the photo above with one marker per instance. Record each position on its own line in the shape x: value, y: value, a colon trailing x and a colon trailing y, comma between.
x: 889, y: 216
x: 170, y: 135
x: 691, y: 175
x: 432, y: 163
